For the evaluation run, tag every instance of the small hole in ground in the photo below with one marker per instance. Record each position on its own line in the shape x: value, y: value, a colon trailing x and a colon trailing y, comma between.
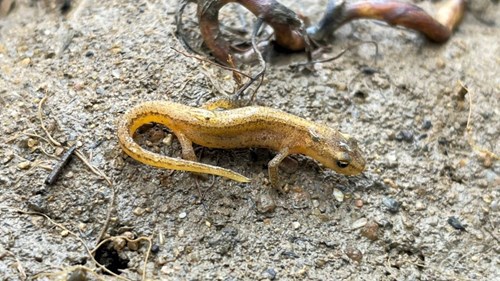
x: 109, y: 257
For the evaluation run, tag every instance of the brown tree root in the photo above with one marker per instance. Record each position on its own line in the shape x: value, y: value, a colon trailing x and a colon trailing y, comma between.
x: 437, y: 29
x: 286, y: 24
x: 289, y: 30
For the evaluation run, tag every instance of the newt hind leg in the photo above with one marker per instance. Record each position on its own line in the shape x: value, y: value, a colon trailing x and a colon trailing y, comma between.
x: 188, y: 153
x: 273, y: 168
x: 187, y: 147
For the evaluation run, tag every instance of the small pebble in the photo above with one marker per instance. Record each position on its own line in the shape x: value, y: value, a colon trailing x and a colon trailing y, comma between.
x: 59, y: 151
x: 392, y: 159
x: 491, y: 176
x: 359, y: 223
x: 442, y: 141
x: 25, y: 62
x: 300, y: 198
x: 391, y: 204
x: 116, y: 73
x: 167, y: 140
x: 155, y: 248
x: 354, y: 254
x: 419, y: 206
x: 182, y: 215
x: 315, y: 203
x: 64, y: 233
x: 119, y: 243
x: 38, y: 257
x: 180, y: 233
x: 358, y: 203
x: 390, y: 183
x: 440, y: 63
x: 494, y: 206
x: 479, y: 236
x: 453, y: 221
x: 139, y: 211
x: 24, y: 165
x: 370, y: 231
x: 270, y: 274
x: 265, y: 203
x: 482, y: 183
x: 368, y: 70
x: 433, y: 221
x: 487, y: 160
x: 404, y: 135
x: 128, y: 234
x: 427, y: 124
x: 319, y: 263
x: 422, y: 136
x: 289, y: 165
x: 9, y: 155
x: 32, y: 143
x: 487, y: 198
x: 384, y: 223
x: 82, y: 227
x: 295, y: 225
x: 339, y: 195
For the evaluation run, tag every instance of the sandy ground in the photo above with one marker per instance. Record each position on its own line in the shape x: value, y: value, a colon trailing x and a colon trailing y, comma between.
x: 390, y: 223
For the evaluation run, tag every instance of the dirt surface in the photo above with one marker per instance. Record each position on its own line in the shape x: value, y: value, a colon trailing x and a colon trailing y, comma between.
x: 406, y: 108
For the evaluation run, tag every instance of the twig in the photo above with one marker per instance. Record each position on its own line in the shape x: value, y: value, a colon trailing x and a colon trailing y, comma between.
x: 69, y: 271
x: 77, y: 10
x: 349, y: 48
x: 211, y: 62
x: 108, y: 215
x: 470, y: 139
x: 260, y: 74
x: 179, y: 31
x: 113, y: 193
x: 77, y: 151
x: 58, y: 167
x: 73, y: 234
x: 37, y: 136
x: 40, y: 117
x: 95, y: 170
x: 19, y: 266
x: 492, y: 235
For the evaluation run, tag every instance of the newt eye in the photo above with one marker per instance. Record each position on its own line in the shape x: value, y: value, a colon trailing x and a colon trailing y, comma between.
x: 342, y: 164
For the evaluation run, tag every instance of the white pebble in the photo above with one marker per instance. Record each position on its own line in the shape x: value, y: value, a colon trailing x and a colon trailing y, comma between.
x: 359, y: 223
x: 339, y: 195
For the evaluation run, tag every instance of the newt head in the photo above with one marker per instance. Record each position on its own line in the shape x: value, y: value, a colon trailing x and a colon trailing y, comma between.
x: 349, y: 159
x: 337, y: 151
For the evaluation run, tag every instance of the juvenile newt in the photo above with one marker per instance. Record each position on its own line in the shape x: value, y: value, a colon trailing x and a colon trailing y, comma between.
x: 245, y: 127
